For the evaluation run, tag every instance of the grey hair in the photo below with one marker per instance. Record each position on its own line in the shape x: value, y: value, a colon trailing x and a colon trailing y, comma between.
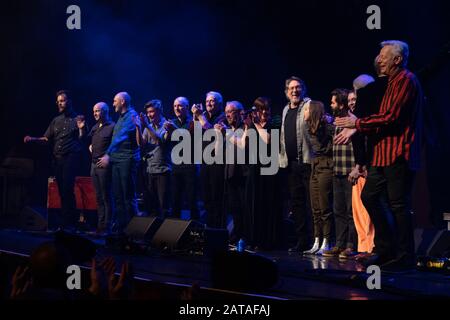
x: 400, y: 48
x: 216, y: 95
x: 362, y: 80
x: 104, y: 108
x: 303, y: 90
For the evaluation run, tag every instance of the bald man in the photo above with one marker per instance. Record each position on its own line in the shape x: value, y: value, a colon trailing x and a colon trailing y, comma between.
x: 123, y: 155
x: 101, y: 136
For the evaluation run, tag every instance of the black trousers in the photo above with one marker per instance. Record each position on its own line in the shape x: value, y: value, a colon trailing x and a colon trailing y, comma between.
x: 321, y: 191
x: 158, y: 185
x: 124, y: 175
x: 343, y: 214
x: 66, y: 169
x: 102, y: 180
x: 184, y: 185
x: 391, y: 241
x: 298, y: 175
x: 212, y: 178
x: 235, y: 204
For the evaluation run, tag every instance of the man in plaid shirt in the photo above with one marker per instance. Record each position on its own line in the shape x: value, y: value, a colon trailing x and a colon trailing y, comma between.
x: 394, y: 129
x: 344, y: 161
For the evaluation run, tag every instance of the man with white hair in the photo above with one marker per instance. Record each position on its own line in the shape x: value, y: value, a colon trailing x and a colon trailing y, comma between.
x: 361, y: 81
x: 123, y: 153
x: 235, y: 173
x: 211, y: 175
x: 394, y: 127
x: 368, y: 94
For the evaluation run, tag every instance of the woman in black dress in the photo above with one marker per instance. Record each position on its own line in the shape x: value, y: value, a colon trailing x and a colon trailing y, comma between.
x: 263, y: 215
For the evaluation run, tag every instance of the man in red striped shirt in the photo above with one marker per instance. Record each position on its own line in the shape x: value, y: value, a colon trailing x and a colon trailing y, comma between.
x: 393, y: 129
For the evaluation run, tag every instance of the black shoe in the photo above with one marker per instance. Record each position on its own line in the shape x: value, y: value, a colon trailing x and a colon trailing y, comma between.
x: 233, y: 239
x: 376, y: 260
x: 399, y: 265
x: 298, y: 248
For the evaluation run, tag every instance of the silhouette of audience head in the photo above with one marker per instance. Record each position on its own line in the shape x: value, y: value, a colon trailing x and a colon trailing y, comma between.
x: 48, y: 265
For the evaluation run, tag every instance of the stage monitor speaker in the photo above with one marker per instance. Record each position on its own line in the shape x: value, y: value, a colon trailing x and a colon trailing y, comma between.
x: 176, y: 234
x: 243, y: 271
x: 441, y: 247
x: 142, y: 228
x: 33, y: 219
x: 432, y: 242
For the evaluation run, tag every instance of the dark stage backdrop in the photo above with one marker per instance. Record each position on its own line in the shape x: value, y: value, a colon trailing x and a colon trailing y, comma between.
x: 243, y: 49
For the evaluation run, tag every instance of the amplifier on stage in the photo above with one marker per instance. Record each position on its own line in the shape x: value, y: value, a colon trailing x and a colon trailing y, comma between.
x: 85, y: 202
x: 84, y: 194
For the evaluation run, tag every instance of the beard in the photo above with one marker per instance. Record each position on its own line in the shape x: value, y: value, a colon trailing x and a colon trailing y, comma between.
x: 295, y: 100
x: 339, y: 112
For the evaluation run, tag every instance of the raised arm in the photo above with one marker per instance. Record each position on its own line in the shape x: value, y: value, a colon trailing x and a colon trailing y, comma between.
x: 197, y: 114
x: 44, y: 139
x: 138, y: 124
x: 28, y: 139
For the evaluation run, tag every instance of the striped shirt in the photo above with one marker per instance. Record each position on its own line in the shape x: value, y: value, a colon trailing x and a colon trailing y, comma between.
x: 393, y: 126
x: 343, y: 158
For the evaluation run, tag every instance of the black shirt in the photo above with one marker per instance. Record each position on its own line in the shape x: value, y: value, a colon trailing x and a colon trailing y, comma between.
x: 368, y: 103
x: 185, y: 123
x: 235, y: 170
x: 215, y: 119
x: 290, y: 134
x: 101, y: 138
x: 63, y: 132
x: 267, y: 146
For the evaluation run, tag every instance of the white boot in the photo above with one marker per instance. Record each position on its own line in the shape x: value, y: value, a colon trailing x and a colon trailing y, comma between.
x: 314, y: 248
x: 325, y: 246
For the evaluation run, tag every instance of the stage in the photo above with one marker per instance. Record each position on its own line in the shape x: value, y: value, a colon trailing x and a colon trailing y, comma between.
x: 165, y: 275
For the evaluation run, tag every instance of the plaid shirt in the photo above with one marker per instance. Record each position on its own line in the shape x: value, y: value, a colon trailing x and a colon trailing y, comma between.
x: 394, y: 124
x: 343, y: 158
